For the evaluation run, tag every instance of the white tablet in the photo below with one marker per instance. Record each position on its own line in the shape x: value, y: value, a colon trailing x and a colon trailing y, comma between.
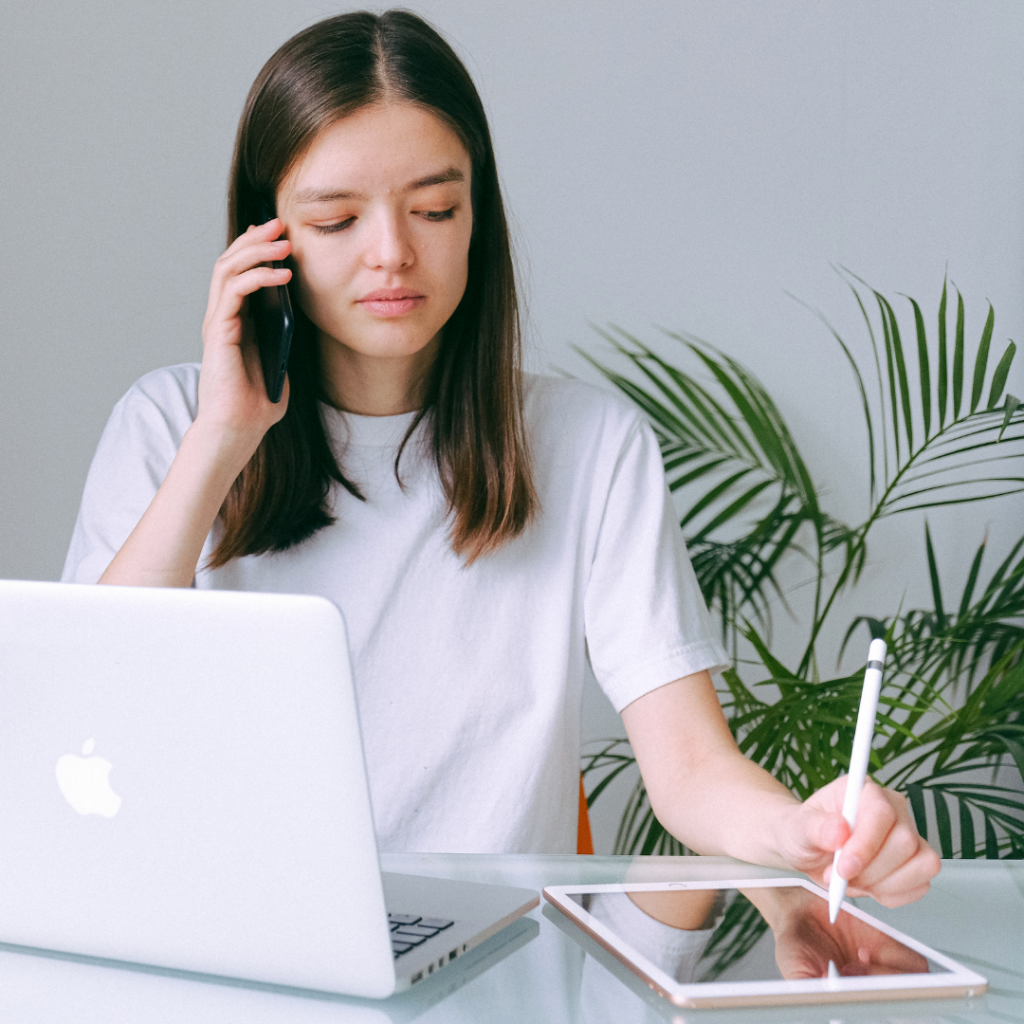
x: 757, y: 942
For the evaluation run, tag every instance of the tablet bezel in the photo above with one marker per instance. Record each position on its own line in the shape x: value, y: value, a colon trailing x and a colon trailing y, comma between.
x: 959, y: 982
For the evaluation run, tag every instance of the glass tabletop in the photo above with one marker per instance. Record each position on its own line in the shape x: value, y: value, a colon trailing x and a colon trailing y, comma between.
x: 542, y: 969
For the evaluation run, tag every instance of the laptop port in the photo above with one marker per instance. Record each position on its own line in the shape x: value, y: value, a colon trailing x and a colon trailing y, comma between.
x: 452, y: 955
x: 418, y: 976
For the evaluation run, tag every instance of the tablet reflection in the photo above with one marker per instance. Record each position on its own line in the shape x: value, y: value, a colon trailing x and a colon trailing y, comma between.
x: 757, y: 934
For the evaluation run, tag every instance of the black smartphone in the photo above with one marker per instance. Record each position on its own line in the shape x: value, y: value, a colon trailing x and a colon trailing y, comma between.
x: 273, y: 324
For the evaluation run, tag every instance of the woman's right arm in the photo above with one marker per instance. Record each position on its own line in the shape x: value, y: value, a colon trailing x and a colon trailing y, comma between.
x: 233, y: 415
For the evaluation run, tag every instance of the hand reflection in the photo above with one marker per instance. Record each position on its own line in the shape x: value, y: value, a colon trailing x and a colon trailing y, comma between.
x: 805, y: 942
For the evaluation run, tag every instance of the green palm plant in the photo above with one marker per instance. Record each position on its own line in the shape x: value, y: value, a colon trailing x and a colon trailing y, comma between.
x: 952, y: 707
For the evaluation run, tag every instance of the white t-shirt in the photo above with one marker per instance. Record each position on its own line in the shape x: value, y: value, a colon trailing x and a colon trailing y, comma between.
x: 468, y: 679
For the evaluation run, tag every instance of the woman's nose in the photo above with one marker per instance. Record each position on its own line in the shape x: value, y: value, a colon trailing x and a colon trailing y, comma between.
x: 389, y: 247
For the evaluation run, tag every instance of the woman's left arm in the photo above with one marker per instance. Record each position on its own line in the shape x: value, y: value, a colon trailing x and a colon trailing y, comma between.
x: 716, y: 801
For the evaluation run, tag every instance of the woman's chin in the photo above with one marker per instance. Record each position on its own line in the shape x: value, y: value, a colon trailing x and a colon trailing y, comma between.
x: 390, y: 338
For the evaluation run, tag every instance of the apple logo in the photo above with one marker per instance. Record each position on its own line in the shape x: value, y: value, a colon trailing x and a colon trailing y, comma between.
x: 85, y: 784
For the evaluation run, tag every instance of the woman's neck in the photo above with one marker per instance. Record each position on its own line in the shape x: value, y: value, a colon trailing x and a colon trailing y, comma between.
x: 375, y: 385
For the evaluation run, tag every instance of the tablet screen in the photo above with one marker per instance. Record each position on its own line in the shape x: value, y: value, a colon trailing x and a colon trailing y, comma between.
x: 756, y: 934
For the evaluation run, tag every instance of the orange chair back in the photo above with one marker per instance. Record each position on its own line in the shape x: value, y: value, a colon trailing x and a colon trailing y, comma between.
x: 584, y: 840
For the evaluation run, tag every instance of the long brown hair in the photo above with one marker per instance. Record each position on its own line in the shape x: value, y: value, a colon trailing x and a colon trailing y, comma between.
x: 474, y: 392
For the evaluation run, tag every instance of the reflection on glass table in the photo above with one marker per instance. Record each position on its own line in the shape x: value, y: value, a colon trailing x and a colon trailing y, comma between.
x: 557, y: 975
x: 758, y: 934
x: 73, y: 989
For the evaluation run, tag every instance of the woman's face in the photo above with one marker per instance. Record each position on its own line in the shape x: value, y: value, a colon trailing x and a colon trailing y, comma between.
x: 379, y: 216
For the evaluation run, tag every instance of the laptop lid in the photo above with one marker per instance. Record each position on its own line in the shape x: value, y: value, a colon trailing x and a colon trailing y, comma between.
x: 183, y: 784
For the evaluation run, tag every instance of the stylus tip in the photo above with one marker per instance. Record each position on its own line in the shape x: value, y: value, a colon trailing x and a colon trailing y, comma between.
x: 836, y: 892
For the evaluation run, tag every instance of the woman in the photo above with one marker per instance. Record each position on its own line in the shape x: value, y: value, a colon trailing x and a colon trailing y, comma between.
x: 482, y: 534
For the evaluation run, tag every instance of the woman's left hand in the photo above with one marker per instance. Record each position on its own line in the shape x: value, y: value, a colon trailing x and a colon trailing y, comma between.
x: 884, y: 857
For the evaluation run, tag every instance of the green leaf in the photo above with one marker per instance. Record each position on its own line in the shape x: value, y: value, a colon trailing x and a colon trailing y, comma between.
x: 967, y: 843
x: 732, y: 510
x: 916, y: 797
x: 901, y: 370
x: 717, y: 491
x: 694, y: 402
x: 657, y: 412
x: 958, y: 356
x: 943, y: 371
x: 1016, y: 751
x: 942, y: 824
x: 675, y: 455
x: 933, y: 572
x: 878, y: 376
x: 972, y: 579
x: 655, y: 832
x: 712, y: 419
x: 777, y: 669
x: 1011, y: 406
x: 891, y: 374
x: 695, y: 474
x: 923, y: 368
x: 711, y: 414
x: 767, y: 440
x: 991, y: 842
x: 999, y: 377
x: 981, y: 360
x: 894, y: 503
x: 607, y: 781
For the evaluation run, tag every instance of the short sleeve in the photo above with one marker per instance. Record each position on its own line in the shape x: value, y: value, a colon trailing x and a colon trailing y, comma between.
x: 676, y: 951
x: 646, y: 621
x: 135, y: 451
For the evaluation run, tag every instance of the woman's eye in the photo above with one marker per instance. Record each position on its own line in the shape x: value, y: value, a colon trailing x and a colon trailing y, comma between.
x: 329, y: 229
x: 439, y: 214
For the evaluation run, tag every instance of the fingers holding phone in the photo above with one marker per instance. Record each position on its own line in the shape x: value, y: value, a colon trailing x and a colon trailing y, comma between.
x: 233, y: 392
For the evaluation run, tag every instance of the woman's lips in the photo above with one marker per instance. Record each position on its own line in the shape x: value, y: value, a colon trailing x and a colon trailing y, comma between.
x: 391, y: 303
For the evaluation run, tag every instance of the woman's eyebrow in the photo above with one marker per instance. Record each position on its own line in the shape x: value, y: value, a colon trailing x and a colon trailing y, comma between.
x: 329, y: 195
x: 442, y: 178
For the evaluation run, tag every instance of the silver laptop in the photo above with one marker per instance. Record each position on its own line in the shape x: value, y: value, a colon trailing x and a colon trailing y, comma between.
x: 182, y: 784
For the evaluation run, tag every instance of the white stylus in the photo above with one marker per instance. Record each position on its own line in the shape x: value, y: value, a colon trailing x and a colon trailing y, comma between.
x: 862, y: 738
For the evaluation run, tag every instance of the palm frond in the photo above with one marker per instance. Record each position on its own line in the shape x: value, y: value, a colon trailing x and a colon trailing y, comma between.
x: 923, y: 746
x: 911, y: 436
x: 951, y: 647
x: 952, y: 704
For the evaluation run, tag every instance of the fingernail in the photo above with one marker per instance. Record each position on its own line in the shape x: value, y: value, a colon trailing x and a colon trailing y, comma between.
x: 851, y: 866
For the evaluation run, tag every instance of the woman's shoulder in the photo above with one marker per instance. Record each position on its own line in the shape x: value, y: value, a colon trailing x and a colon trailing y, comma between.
x: 573, y: 409
x: 156, y: 410
x: 171, y: 391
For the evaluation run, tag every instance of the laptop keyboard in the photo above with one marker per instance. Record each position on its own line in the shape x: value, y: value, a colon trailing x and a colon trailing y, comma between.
x: 409, y: 931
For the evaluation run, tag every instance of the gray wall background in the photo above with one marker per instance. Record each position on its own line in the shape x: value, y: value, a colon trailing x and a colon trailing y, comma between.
x: 686, y: 164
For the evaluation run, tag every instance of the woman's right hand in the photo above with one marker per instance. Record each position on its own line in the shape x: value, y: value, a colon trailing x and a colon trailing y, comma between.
x: 234, y: 411
x: 234, y: 414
